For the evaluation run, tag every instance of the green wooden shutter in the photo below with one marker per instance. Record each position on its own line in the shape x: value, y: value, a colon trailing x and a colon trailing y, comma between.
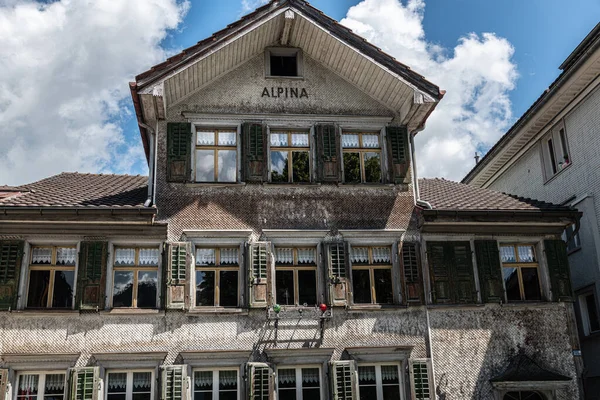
x: 337, y: 272
x: 3, y: 383
x: 490, y: 271
x: 259, y: 265
x: 261, y: 381
x: 421, y: 382
x: 178, y: 259
x: 85, y: 383
x: 343, y: 380
x: 398, y: 153
x: 174, y: 382
x: 463, y: 275
x: 440, y: 272
x: 255, y: 152
x: 558, y: 268
x: 91, y: 275
x: 179, y: 153
x: 11, y: 255
x: 411, y: 271
x: 328, y: 153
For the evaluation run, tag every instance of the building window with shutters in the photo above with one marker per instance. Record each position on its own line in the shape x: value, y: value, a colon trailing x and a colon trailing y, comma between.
x: 135, y: 277
x: 372, y: 275
x: 51, y: 277
x: 222, y: 384
x: 290, y: 160
x: 216, y: 155
x: 299, y: 383
x: 130, y: 385
x: 520, y: 270
x: 555, y: 150
x: 588, y: 309
x: 362, y: 157
x: 40, y: 386
x: 296, y: 276
x: 380, y: 382
x: 217, y: 277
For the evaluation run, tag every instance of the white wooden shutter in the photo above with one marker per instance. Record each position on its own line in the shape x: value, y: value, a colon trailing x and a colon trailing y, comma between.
x: 261, y: 381
x: 421, y: 379
x: 344, y: 383
x: 85, y: 383
x: 174, y: 383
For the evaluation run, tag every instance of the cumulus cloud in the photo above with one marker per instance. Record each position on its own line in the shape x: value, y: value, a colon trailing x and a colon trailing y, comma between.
x: 477, y: 74
x: 251, y: 5
x: 64, y: 84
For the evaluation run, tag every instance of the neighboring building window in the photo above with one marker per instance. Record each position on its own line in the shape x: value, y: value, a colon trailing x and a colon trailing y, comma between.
x: 216, y: 385
x: 51, y: 277
x: 41, y: 386
x: 296, y: 276
x: 216, y: 155
x: 284, y: 62
x: 555, y: 150
x: 589, y: 313
x: 362, y: 157
x: 299, y: 383
x: 129, y: 385
x: 135, y: 277
x: 379, y: 382
x: 574, y: 243
x: 372, y: 275
x: 520, y: 270
x: 217, y: 272
x: 524, y: 395
x: 290, y: 161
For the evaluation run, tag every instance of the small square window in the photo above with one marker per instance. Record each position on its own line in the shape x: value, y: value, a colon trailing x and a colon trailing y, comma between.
x: 283, y: 62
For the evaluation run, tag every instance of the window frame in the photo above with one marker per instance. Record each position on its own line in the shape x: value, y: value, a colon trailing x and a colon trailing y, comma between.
x: 378, y: 379
x: 216, y: 128
x: 584, y: 312
x: 298, y: 368
x: 295, y: 267
x: 361, y: 150
x: 553, y: 146
x: 371, y: 266
x: 576, y: 240
x: 136, y: 268
x: 40, y: 373
x: 284, y: 52
x: 52, y: 267
x: 290, y: 150
x: 519, y: 265
x: 129, y: 388
x: 217, y: 268
x: 215, y: 393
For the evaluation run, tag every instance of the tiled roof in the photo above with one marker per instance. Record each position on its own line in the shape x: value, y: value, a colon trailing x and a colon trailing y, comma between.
x: 81, y: 190
x: 448, y: 195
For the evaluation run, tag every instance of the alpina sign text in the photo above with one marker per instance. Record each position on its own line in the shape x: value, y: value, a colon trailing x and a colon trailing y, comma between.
x: 284, y: 93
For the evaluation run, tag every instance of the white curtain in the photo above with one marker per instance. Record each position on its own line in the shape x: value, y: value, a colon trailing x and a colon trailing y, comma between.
x: 228, y: 378
x: 360, y: 255
x: 227, y: 138
x: 148, y: 256
x: 66, y: 256
x: 286, y: 375
x: 284, y: 255
x: 389, y: 373
x: 300, y: 139
x: 279, y: 139
x: 41, y: 255
x: 229, y: 256
x: 28, y: 384
x: 526, y: 254
x: 381, y: 255
x: 205, y: 257
x: 205, y: 138
x: 349, y: 140
x: 306, y: 256
x: 117, y: 380
x: 366, y: 373
x: 310, y: 375
x: 142, y: 380
x: 203, y: 378
x: 507, y: 254
x: 370, y: 141
x: 124, y: 256
x: 55, y: 382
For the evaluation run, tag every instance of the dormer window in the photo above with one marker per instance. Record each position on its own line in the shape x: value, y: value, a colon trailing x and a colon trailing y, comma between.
x: 283, y: 62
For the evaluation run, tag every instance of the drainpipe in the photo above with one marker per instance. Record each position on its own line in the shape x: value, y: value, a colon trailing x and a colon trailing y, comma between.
x: 149, y: 201
x: 155, y: 163
x: 415, y: 178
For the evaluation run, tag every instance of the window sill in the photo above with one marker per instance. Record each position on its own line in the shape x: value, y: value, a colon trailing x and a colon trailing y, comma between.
x: 291, y: 78
x: 557, y: 174
x: 218, y: 310
x: 41, y: 311
x: 214, y: 184
x: 376, y: 307
x: 575, y: 250
x: 368, y: 185
x: 132, y: 311
x: 294, y: 185
x: 454, y: 306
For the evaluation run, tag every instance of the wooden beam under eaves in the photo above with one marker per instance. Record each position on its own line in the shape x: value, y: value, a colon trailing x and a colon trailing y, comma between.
x: 287, y: 27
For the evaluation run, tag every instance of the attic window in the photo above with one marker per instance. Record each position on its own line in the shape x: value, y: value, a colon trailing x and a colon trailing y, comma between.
x: 283, y: 62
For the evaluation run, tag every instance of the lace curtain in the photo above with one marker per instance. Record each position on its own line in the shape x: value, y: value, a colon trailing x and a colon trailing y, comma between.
x: 142, y: 381
x: 360, y: 255
x: 124, y: 256
x: 507, y: 254
x: 366, y: 373
x: 228, y: 378
x: 229, y: 256
x: 310, y: 375
x: 203, y: 379
x: 286, y: 376
x: 389, y: 373
x: 205, y: 257
x: 526, y: 254
x: 28, y: 384
x: 227, y: 138
x: 306, y: 256
x: 349, y: 140
x: 300, y: 140
x: 370, y: 141
x: 41, y: 255
x: 55, y: 382
x: 205, y: 138
x: 284, y: 255
x: 66, y: 256
x: 381, y: 255
x: 117, y: 381
x: 148, y: 256
x: 279, y: 139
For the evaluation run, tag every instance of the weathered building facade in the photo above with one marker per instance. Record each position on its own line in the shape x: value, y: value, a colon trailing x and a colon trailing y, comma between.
x: 551, y: 154
x: 282, y: 245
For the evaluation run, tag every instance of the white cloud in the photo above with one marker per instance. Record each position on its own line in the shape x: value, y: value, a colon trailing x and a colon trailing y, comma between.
x: 477, y: 75
x: 64, y: 82
x: 251, y: 5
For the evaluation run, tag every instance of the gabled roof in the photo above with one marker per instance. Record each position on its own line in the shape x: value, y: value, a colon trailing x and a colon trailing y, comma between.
x: 75, y: 190
x: 524, y: 369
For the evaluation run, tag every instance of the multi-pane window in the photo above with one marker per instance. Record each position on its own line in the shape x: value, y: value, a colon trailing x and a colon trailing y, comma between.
x: 129, y: 385
x: 296, y: 275
x: 135, y: 277
x: 571, y: 238
x: 379, y: 382
x: 290, y: 161
x: 555, y: 150
x: 217, y: 271
x: 362, y: 157
x: 41, y: 386
x: 520, y: 270
x: 523, y: 395
x: 589, y: 313
x: 216, y: 385
x: 299, y: 383
x: 372, y: 275
x: 51, y: 277
x: 216, y: 155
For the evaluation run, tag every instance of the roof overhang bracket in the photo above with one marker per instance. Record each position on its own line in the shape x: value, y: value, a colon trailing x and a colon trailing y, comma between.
x: 287, y: 27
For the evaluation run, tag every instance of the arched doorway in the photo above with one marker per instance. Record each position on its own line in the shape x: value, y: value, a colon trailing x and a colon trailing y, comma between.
x: 523, y: 395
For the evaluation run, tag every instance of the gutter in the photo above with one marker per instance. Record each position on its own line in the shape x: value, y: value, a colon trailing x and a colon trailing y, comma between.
x: 152, y: 166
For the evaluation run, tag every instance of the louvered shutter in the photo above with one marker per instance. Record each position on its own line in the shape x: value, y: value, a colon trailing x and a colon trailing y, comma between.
x: 91, y: 275
x: 344, y: 385
x: 439, y: 272
x: 85, y: 383
x: 261, y: 381
x: 421, y: 380
x: 398, y: 154
x: 463, y: 275
x: 255, y: 152
x: 328, y: 153
x: 411, y: 271
x: 490, y: 271
x: 3, y: 383
x: 178, y: 260
x: 259, y: 271
x: 179, y: 152
x: 174, y: 385
x: 558, y: 268
x: 337, y: 270
x: 11, y: 255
